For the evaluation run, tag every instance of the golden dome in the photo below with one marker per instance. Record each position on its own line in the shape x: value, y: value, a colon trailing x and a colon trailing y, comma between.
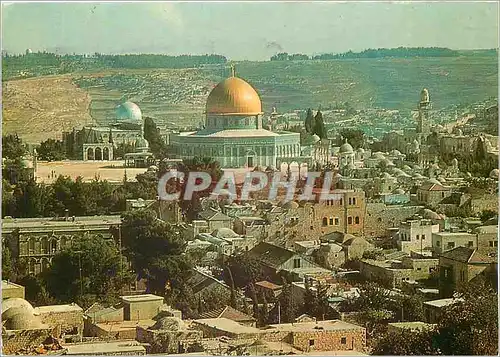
x: 234, y: 96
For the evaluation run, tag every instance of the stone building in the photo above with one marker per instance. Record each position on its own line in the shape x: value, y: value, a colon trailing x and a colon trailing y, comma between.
x: 293, y: 221
x: 432, y: 192
x: 434, y: 308
x: 459, y: 266
x: 12, y: 290
x: 228, y: 312
x: 382, y: 220
x: 234, y: 134
x: 416, y: 235
x: 329, y: 335
x: 114, y: 348
x: 394, y: 273
x: 487, y: 239
x: 445, y: 241
x: 63, y: 319
x: 37, y: 240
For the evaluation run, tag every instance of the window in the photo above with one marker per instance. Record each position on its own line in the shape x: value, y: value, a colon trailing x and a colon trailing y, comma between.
x: 331, y: 221
x: 296, y: 263
x: 495, y: 243
x: 450, y: 245
x: 438, y: 243
x: 471, y: 244
x: 442, y: 194
x: 341, y: 201
x: 354, y: 200
x: 423, y: 236
x: 325, y: 221
x: 311, y: 228
x: 343, y: 340
x: 462, y: 275
x: 311, y: 342
x: 356, y: 220
x: 419, y: 269
x: 418, y: 237
x: 336, y: 221
x: 491, y: 243
x: 350, y: 200
x: 349, y: 220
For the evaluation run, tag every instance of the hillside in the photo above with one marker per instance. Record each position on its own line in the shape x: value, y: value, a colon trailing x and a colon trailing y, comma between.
x: 43, y: 107
x: 178, y: 95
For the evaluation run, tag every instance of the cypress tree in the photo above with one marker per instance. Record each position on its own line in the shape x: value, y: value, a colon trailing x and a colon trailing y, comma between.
x: 309, y: 123
x: 319, y: 125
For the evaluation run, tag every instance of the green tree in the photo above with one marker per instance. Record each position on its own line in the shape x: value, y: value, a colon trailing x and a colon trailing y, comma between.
x: 309, y: 122
x: 155, y: 249
x: 33, y: 200
x: 319, y: 126
x: 152, y: 135
x: 52, y: 150
x: 91, y: 267
x: 245, y: 270
x: 12, y: 147
x: 289, y: 307
x: 406, y: 343
x: 7, y: 264
x: 264, y: 312
x: 487, y: 214
x: 355, y: 137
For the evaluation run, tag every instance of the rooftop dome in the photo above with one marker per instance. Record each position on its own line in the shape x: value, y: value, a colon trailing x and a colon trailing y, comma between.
x: 399, y: 191
x: 16, y: 302
x: 224, y: 233
x: 494, y: 174
x: 360, y: 150
x: 290, y: 205
x: 315, y: 138
x: 20, y: 318
x: 234, y: 96
x: 141, y: 143
x: 128, y: 111
x: 378, y: 155
x: 429, y: 214
x: 346, y: 148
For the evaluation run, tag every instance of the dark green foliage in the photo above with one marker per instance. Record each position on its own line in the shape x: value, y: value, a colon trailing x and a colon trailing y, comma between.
x: 12, y: 147
x: 487, y: 214
x: 155, y: 249
x: 245, y: 270
x: 264, y: 312
x: 289, y: 308
x: 400, y: 52
x: 52, y: 150
x: 355, y: 137
x: 7, y: 264
x: 122, y: 149
x: 152, y: 135
x: 319, y: 126
x: 406, y: 343
x: 309, y: 122
x: 102, y: 274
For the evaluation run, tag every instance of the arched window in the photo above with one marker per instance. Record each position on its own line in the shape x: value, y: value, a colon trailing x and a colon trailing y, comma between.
x: 349, y: 220
x: 325, y: 221
x: 356, y: 220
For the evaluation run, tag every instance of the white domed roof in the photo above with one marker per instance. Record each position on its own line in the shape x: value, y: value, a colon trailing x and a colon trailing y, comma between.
x: 378, y: 155
x: 346, y: 148
x: 494, y: 174
x: 360, y: 150
x: 128, y: 111
x: 315, y: 138
x: 399, y: 191
x: 141, y: 143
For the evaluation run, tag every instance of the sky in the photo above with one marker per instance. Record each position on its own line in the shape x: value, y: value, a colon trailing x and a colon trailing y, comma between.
x: 245, y: 31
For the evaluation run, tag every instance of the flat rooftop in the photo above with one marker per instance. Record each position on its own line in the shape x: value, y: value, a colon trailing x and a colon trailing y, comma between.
x: 120, y: 326
x: 6, y: 285
x: 118, y: 347
x: 328, y: 325
x: 141, y: 298
x: 58, y: 308
x: 50, y: 222
x: 223, y: 324
x: 442, y: 302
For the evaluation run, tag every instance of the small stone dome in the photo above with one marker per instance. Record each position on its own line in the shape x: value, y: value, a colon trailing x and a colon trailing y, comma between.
x: 18, y: 318
x: 346, y: 148
x: 16, y: 303
x: 169, y: 323
x: 290, y: 205
x: 361, y: 150
x: 399, y: 191
x: 224, y: 233
x: 429, y: 214
x: 378, y: 155
x: 494, y: 174
x: 454, y: 162
x: 315, y: 138
x: 141, y: 143
x: 395, y: 152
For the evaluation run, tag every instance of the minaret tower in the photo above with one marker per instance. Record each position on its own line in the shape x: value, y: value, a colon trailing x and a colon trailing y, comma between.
x: 424, y: 106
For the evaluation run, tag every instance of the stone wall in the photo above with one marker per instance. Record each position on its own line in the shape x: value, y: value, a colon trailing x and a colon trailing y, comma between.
x: 15, y: 341
x: 68, y: 322
x: 379, y: 217
x: 169, y: 342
